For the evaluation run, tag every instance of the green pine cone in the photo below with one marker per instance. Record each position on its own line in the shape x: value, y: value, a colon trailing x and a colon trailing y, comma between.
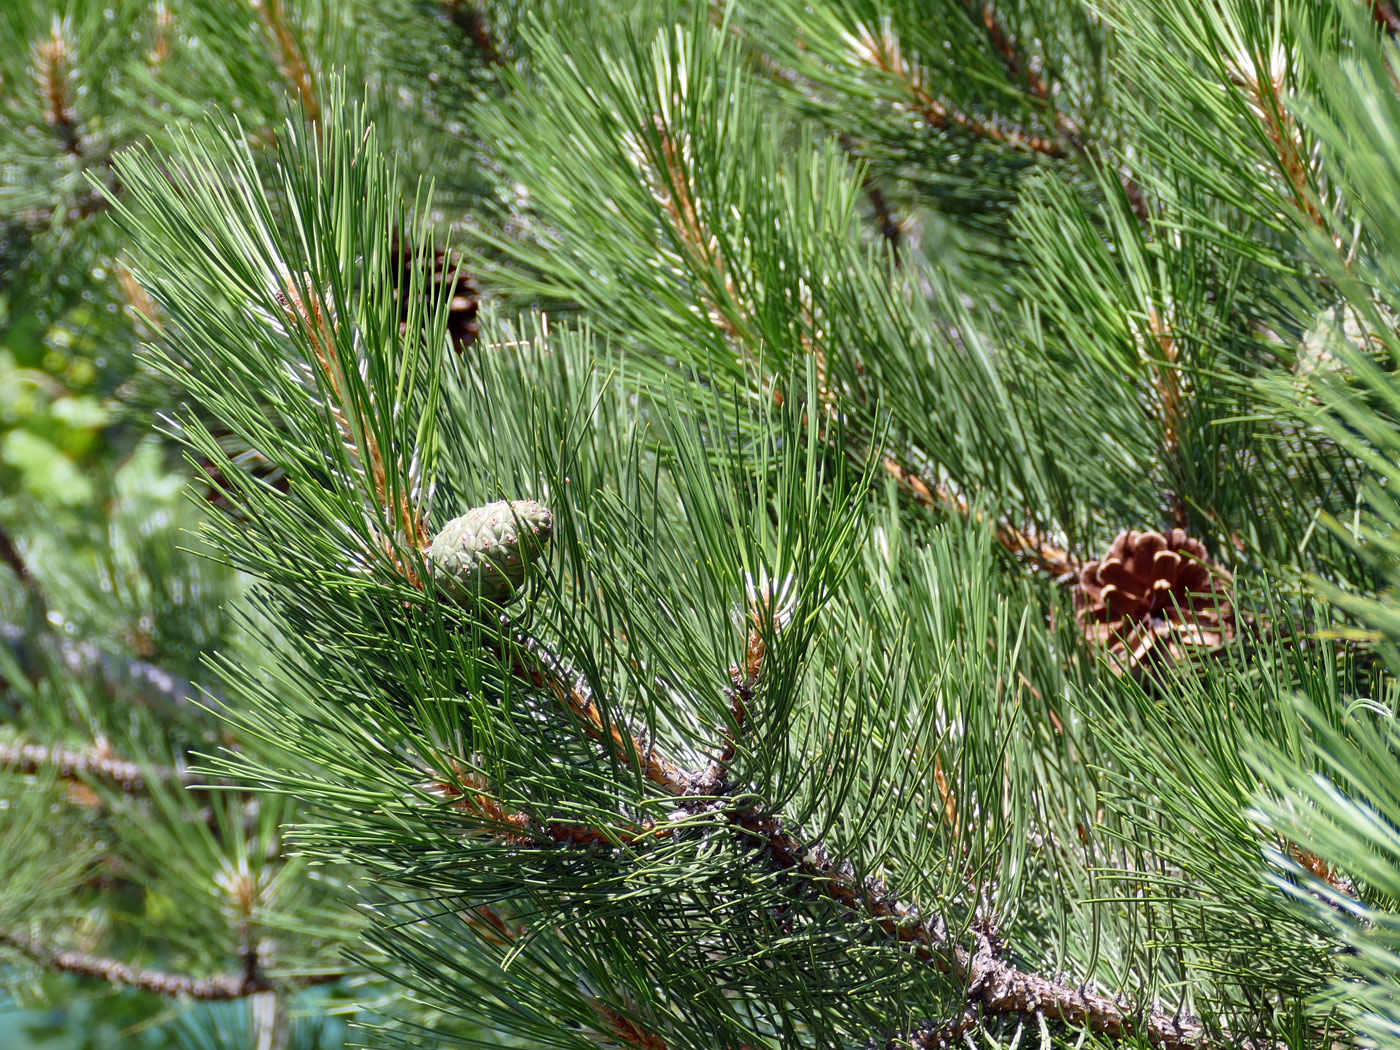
x: 485, y: 553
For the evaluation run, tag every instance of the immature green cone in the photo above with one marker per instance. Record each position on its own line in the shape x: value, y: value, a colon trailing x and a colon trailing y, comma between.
x: 485, y: 552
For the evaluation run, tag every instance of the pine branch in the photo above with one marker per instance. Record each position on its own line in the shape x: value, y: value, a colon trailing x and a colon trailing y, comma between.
x: 614, y: 1024
x: 164, y: 26
x: 1050, y: 557
x: 469, y: 794
x: 715, y: 779
x: 53, y: 61
x: 883, y: 53
x: 671, y: 185
x: 1021, y: 70
x: 765, y: 614
x: 293, y: 64
x: 890, y: 228
x: 70, y: 764
x: 1166, y: 378
x: 626, y: 1030
x: 158, y: 982
x: 316, y: 319
x: 993, y: 985
x: 577, y: 699
x: 933, y: 1036
x: 1266, y: 101
x: 1005, y: 46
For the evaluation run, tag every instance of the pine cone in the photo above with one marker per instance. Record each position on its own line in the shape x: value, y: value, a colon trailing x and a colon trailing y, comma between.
x: 485, y: 553
x: 1153, y: 596
x: 462, y: 308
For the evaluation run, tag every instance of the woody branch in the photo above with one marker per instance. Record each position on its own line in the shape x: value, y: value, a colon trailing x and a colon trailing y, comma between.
x: 70, y: 764
x: 994, y: 985
x: 221, y: 987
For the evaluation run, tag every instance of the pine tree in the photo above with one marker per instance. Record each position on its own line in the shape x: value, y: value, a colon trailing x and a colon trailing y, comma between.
x: 767, y: 524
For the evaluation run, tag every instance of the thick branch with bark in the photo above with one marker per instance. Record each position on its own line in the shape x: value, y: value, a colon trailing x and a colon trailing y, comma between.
x: 70, y: 764
x: 221, y: 987
x: 994, y: 986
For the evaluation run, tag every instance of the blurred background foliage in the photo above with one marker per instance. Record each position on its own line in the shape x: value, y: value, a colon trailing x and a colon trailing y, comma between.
x: 106, y: 632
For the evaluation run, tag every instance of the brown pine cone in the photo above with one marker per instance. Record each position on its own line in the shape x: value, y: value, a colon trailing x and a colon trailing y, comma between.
x: 462, y: 324
x: 1152, y: 597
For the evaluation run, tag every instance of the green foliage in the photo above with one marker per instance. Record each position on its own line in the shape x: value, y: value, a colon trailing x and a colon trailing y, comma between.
x: 795, y: 729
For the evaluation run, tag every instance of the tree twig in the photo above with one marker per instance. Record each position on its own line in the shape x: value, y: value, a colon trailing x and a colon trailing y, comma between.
x: 491, y: 927
x: 577, y: 698
x: 1070, y: 132
x: 72, y: 764
x: 884, y: 53
x: 221, y: 987
x: 625, y: 1030
x: 890, y: 227
x: 469, y: 793
x: 1005, y: 45
x: 1048, y: 556
x: 293, y: 63
x: 993, y: 985
x: 53, y: 60
x: 933, y: 1036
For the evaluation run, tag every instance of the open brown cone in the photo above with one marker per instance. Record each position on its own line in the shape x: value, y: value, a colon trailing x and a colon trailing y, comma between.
x: 448, y: 267
x: 1152, y: 598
